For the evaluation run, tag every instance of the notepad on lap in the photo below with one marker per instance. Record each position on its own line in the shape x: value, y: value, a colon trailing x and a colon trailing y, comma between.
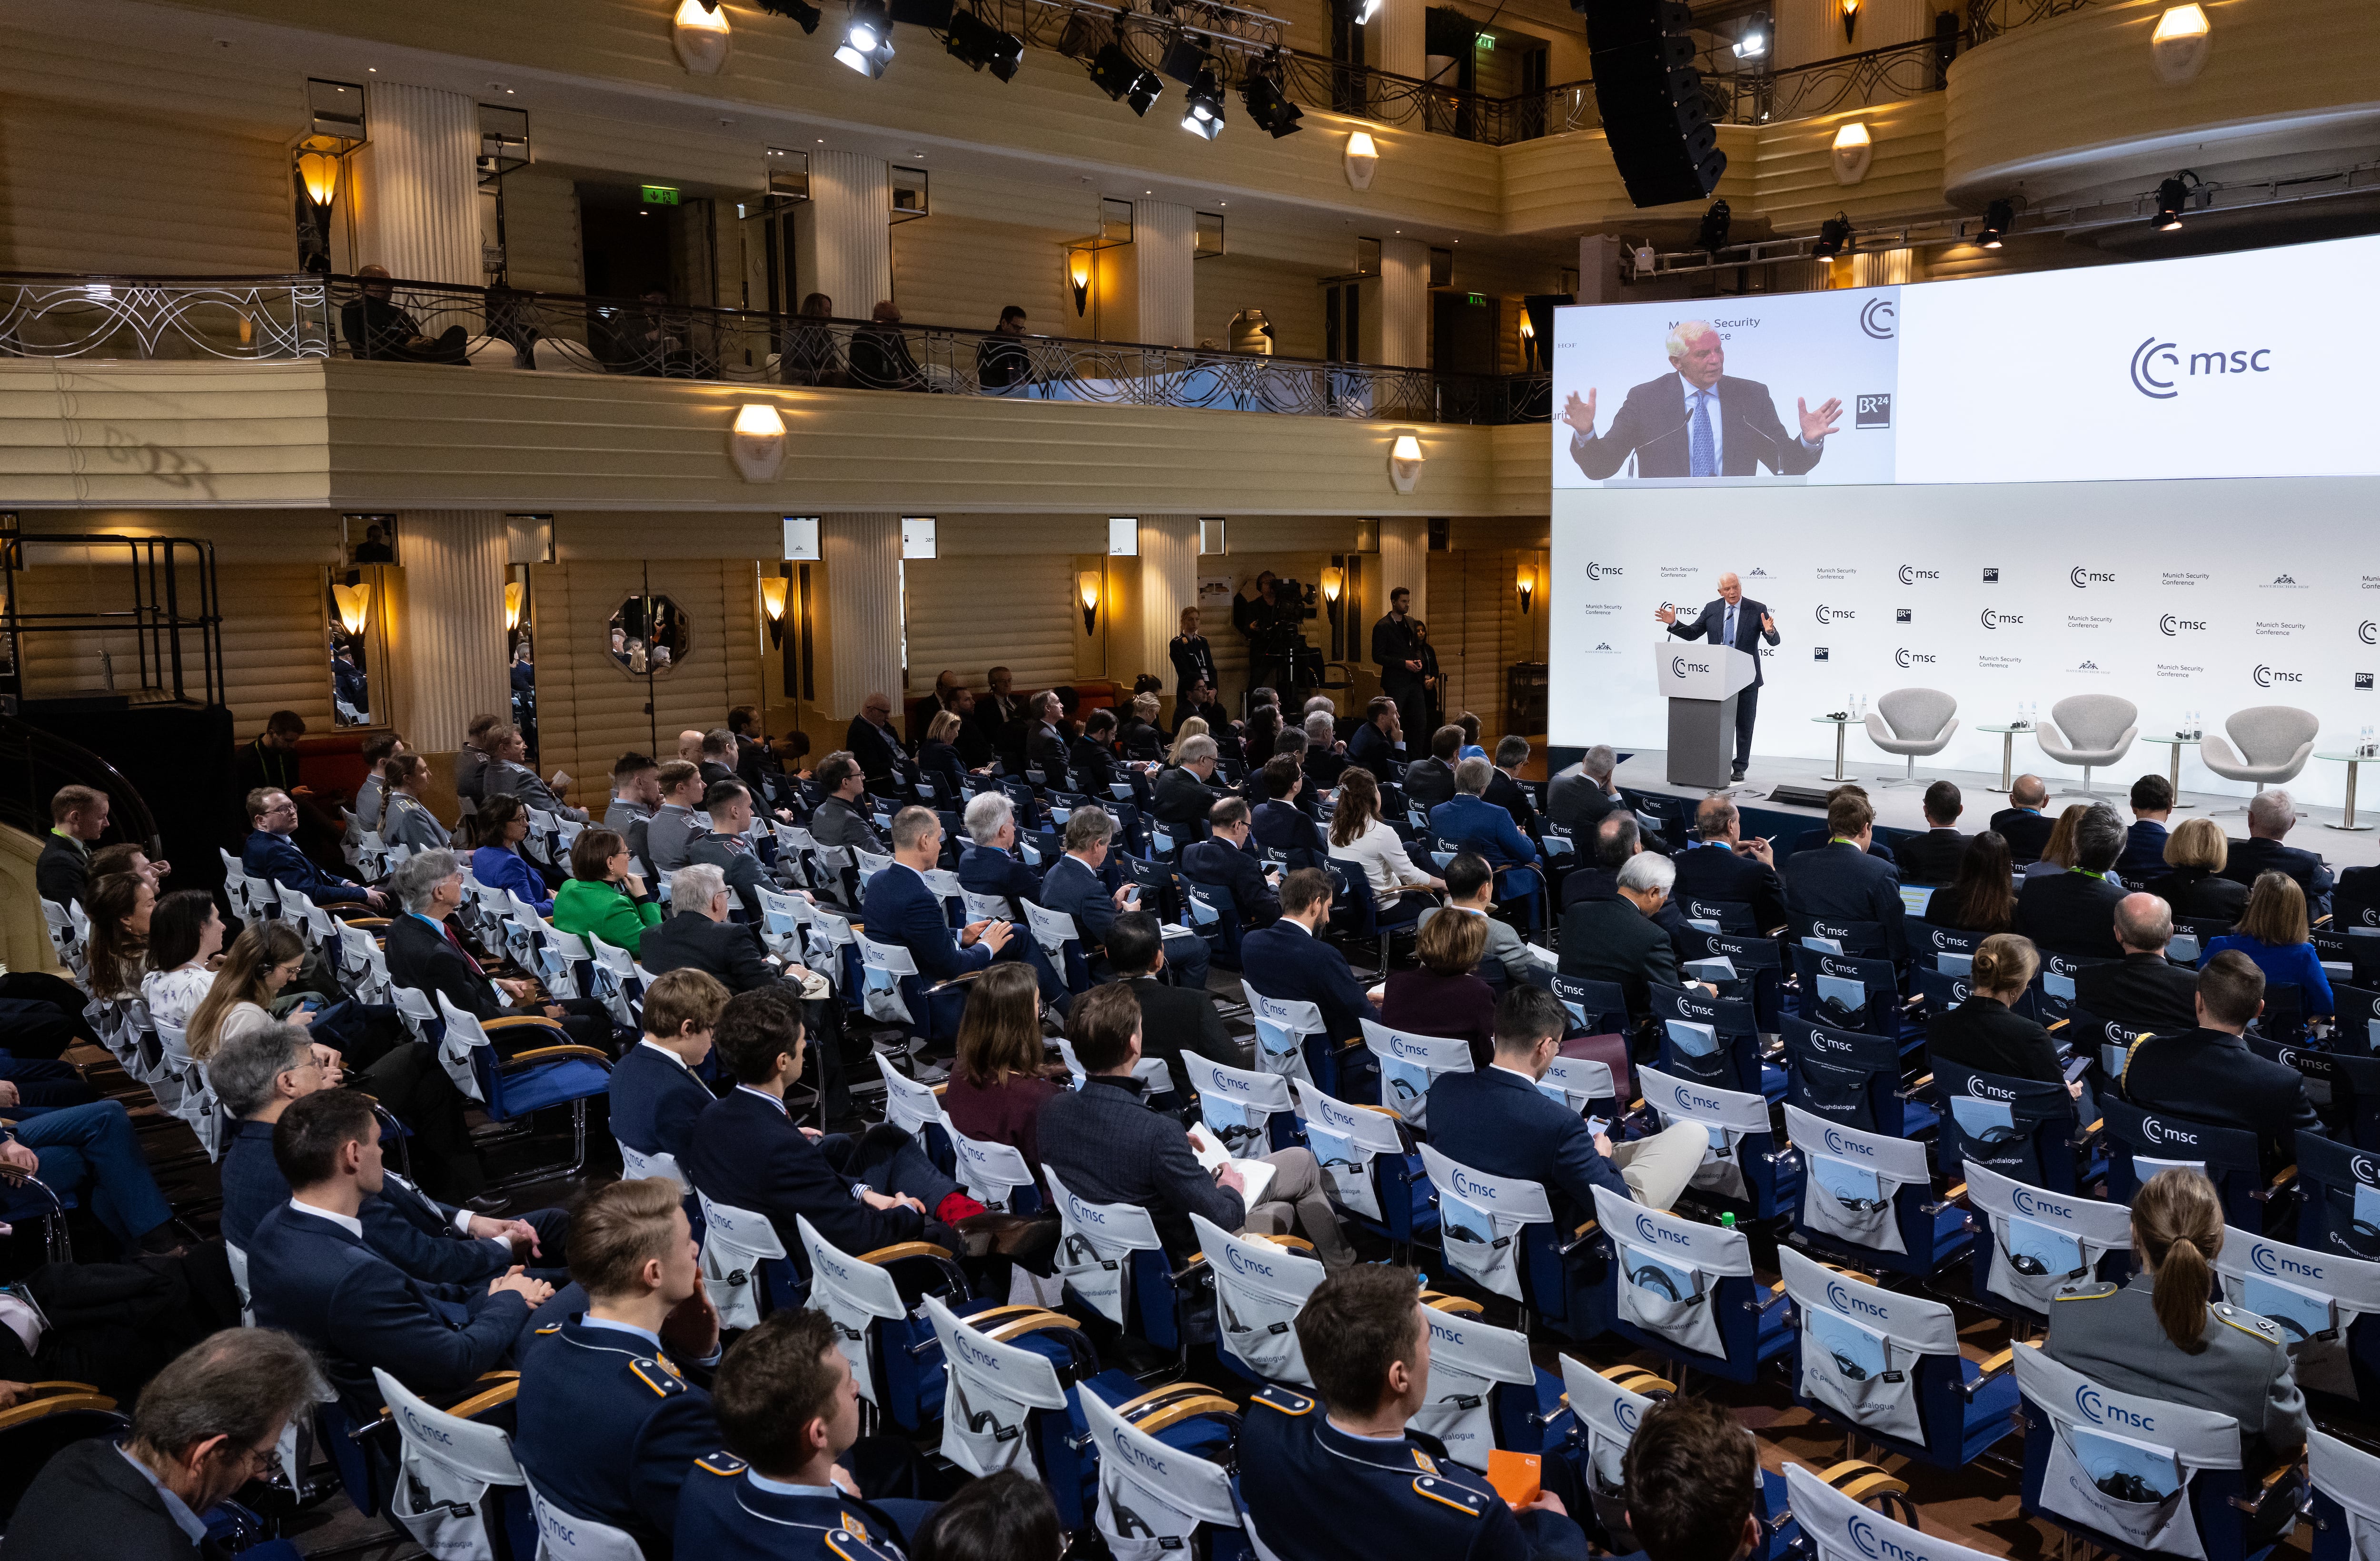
x: 1256, y: 1174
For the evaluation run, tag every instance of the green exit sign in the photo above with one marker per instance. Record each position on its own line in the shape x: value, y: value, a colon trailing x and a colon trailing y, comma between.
x: 659, y: 195
x: 1476, y: 301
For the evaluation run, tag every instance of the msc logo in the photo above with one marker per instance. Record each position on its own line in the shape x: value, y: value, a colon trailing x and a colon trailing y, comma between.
x: 1907, y: 658
x: 1879, y: 1548
x: 1598, y: 571
x: 2159, y: 1132
x: 1085, y: 1212
x: 1680, y: 666
x: 1625, y: 1413
x: 2267, y: 1261
x: 2154, y: 358
x: 2267, y: 676
x: 1244, y: 1266
x: 1994, y: 618
x: 1135, y: 1453
x: 1838, y: 1144
x: 1652, y: 1232
x: 1910, y: 577
x: 2099, y: 1411
x: 1880, y: 319
x: 1995, y: 1093
x: 1835, y: 615
x: 2368, y: 631
x: 2082, y: 578
x: 1464, y: 1186
x: 1845, y: 1302
x: 2031, y: 1205
x: 2170, y: 625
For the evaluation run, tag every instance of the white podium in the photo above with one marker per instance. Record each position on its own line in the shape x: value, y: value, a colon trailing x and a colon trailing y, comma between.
x: 1701, y: 682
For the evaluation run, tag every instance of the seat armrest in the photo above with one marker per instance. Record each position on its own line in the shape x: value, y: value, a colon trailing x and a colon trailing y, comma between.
x: 1992, y: 1367
x: 515, y: 1021
x: 549, y: 1054
x: 900, y: 1249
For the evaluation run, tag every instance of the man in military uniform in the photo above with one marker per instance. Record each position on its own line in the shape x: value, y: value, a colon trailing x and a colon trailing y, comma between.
x: 612, y: 1409
x: 788, y: 1409
x: 1339, y: 1478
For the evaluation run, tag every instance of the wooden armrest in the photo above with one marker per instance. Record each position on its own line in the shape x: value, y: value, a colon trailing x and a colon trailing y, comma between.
x: 1921, y: 1083
x: 2096, y: 1122
x: 1459, y: 1305
x: 1860, y: 1480
x: 1584, y: 1225
x: 56, y: 1403
x: 1295, y: 1243
x: 1142, y: 1402
x: 2285, y: 1174
x: 940, y: 1088
x: 1849, y: 1273
x: 503, y: 1393
x: 62, y: 1387
x: 1778, y: 1287
x: 2282, y: 1472
x: 548, y: 1054
x: 1955, y: 1194
x: 900, y: 1249
x: 2057, y: 1024
x: 1182, y: 1408
x: 1992, y: 1365
x: 1387, y: 1111
x: 1636, y: 1379
x: 515, y: 1021
x: 1031, y: 1325
x: 365, y: 921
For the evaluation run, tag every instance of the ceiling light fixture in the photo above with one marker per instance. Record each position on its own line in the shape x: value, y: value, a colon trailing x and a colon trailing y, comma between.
x: 1202, y: 109
x: 2173, y: 198
x: 1270, y: 109
x: 1998, y: 217
x: 867, y: 38
x: 1120, y: 77
x: 978, y: 43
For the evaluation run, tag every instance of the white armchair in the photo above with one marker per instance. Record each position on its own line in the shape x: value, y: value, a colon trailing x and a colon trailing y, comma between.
x: 1912, y: 722
x: 2275, y: 741
x: 2091, y: 730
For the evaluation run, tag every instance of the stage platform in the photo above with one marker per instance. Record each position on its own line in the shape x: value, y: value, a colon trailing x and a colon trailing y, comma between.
x: 1900, y: 807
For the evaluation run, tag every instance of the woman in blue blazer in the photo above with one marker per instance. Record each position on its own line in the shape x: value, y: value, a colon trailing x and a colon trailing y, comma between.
x: 2273, y: 932
x: 497, y: 829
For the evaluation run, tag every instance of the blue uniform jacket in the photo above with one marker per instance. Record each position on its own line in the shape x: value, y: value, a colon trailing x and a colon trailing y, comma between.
x: 655, y: 1100
x: 413, y: 1231
x: 607, y: 1426
x: 1286, y: 962
x: 1229, y: 866
x: 359, y: 1310
x: 1484, y: 826
x: 722, y: 1515
x: 900, y: 907
x: 275, y: 859
x: 747, y: 1154
x: 499, y: 868
x: 987, y: 869
x: 1500, y: 1123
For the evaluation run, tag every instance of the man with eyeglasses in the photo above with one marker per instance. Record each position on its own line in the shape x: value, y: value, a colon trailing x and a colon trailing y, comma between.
x: 271, y: 855
x: 871, y: 741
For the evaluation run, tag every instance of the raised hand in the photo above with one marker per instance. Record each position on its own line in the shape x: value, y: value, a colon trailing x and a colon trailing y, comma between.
x: 1666, y: 614
x: 1580, y: 415
x: 1817, y: 425
x: 1767, y: 624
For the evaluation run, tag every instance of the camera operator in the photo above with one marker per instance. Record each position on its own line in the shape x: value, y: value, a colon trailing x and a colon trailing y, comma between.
x: 1269, y: 620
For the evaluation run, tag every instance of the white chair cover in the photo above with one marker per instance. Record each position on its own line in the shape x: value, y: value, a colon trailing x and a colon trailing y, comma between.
x: 1095, y: 1247
x: 993, y: 1172
x: 735, y: 1243
x: 1879, y: 1331
x: 1346, y: 1140
x: 2023, y: 1217
x: 1282, y: 1027
x: 1610, y: 1414
x: 2351, y: 1477
x: 1236, y: 1103
x: 447, y: 1466
x: 562, y: 1536
x: 908, y: 1105
x: 884, y: 966
x: 1409, y: 1063
x: 1727, y: 1116
x: 2315, y: 1297
x: 1480, y: 1218
x: 1259, y: 1288
x: 855, y: 1295
x: 636, y: 1165
x: 2082, y: 1414
x: 1467, y: 1359
x: 1152, y: 1497
x: 1853, y: 1178
x: 991, y: 1389
x: 1670, y: 1269
x: 1844, y: 1531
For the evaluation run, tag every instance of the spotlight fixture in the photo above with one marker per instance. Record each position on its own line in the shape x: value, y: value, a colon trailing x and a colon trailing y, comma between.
x: 867, y: 38
x: 1711, y: 238
x: 1998, y: 217
x: 1753, y: 45
x: 1366, y: 10
x: 978, y: 43
x: 1120, y: 76
x: 1203, y: 112
x: 1183, y: 58
x: 1834, y: 237
x: 2173, y: 198
x: 1270, y: 109
x: 800, y: 11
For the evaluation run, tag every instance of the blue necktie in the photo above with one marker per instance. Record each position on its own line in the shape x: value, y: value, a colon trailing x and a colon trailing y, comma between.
x: 1731, y: 627
x: 1705, y: 449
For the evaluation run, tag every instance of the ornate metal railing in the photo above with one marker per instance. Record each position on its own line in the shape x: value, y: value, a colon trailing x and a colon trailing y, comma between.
x: 260, y: 319
x: 1987, y: 19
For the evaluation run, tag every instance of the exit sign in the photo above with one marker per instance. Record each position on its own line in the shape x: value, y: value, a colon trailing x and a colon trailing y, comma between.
x: 659, y: 195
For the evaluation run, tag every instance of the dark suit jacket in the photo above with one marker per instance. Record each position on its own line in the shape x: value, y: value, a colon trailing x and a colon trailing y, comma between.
x: 1652, y: 422
x: 1612, y: 940
x: 939, y: 763
x: 275, y: 859
x: 1174, y: 1019
x: 1046, y: 749
x: 1227, y: 865
x: 419, y: 957
x: 1983, y: 1033
x: 1182, y: 798
x: 1843, y: 884
x: 1578, y: 807
x: 1323, y: 766
x: 88, y: 1504
x: 747, y: 1154
x: 1092, y: 770
x: 655, y: 1102
x: 2027, y: 832
x: 1932, y: 857
x: 1715, y: 872
x: 1287, y: 963
x: 2249, y: 857
x: 2143, y: 854
x: 1506, y: 794
x: 881, y: 759
x: 413, y: 1231
x: 2194, y: 891
x: 62, y: 870
x: 1370, y: 747
x: 1074, y: 890
x: 690, y: 941
x: 2141, y: 992
x: 2213, y: 1077
x: 1109, y: 1147
x: 1500, y: 1123
x: 1281, y: 826
x: 987, y: 869
x: 1712, y: 622
x: 1392, y: 646
x: 2071, y: 912
x: 900, y: 908
x: 1428, y: 782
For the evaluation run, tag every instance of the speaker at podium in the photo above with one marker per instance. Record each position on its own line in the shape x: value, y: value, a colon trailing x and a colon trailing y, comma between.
x: 1700, y: 682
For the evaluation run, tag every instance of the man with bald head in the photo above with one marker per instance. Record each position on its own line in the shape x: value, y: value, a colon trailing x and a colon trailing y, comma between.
x: 1696, y: 422
x: 2143, y: 990
x: 1732, y: 620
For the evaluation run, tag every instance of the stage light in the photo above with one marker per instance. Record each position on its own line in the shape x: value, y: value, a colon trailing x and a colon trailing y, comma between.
x: 1270, y: 109
x: 1120, y: 76
x: 1366, y: 11
x: 1146, y: 90
x: 800, y: 11
x: 1752, y: 45
x: 1711, y: 238
x: 1998, y: 217
x: 1203, y: 108
x: 867, y: 38
x: 1182, y: 60
x: 976, y: 43
x: 1834, y: 237
x: 2173, y: 198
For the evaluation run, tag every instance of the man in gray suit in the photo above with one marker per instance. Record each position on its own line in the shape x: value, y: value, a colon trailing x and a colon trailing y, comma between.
x: 508, y: 775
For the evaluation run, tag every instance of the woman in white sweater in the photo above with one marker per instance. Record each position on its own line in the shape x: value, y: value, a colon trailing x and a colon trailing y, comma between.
x: 1359, y: 834
x: 186, y: 934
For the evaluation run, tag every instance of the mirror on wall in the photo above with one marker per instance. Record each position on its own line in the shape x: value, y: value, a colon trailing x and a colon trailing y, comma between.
x: 520, y: 646
x: 650, y: 637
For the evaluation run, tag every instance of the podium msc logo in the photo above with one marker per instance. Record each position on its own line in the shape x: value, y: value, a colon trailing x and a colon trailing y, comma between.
x: 2268, y: 677
x: 1993, y: 619
x: 2152, y: 360
x: 1910, y: 577
x: 2082, y: 579
x: 1835, y: 615
x: 1600, y: 571
x: 2368, y: 631
x: 1680, y: 666
x: 2170, y: 626
x: 1907, y: 658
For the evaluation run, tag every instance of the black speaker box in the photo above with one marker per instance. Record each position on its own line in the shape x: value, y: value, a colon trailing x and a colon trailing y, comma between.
x: 1651, y: 100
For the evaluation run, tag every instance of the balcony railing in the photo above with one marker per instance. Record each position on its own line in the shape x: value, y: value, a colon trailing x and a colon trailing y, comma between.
x: 263, y: 318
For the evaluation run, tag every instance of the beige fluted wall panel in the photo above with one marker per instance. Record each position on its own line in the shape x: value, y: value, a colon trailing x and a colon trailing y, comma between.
x: 1404, y: 302
x: 842, y: 246
x: 89, y: 189
x: 1169, y: 582
x: 447, y: 640
x: 1161, y: 262
x: 862, y: 554
x: 1396, y: 39
x: 78, y: 432
x: 1405, y: 560
x: 416, y: 201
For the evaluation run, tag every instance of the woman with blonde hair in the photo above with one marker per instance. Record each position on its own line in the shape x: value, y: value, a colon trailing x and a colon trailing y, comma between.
x: 1195, y: 726
x: 1985, y: 1033
x: 2163, y: 1334
x: 938, y: 759
x: 2197, y: 852
x: 1142, y: 738
x: 1193, y: 657
x: 2273, y: 933
x: 1358, y: 833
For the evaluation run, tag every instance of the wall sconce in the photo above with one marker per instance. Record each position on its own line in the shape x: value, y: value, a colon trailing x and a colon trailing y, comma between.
x: 355, y: 604
x: 757, y: 443
x: 1853, y: 151
x: 1087, y: 585
x: 1851, y: 17
x: 318, y: 172
x: 514, y: 592
x: 1334, y: 580
x: 1079, y: 277
x: 772, y: 605
x: 1404, y: 463
x: 1361, y: 157
x: 1526, y: 583
x: 699, y: 33
x: 2179, y: 45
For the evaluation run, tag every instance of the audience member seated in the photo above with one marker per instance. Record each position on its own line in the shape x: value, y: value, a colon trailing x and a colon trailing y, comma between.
x: 606, y: 897
x: 1578, y: 805
x: 717, y: 756
x: 1174, y: 1019
x: 1334, y: 1479
x: 1289, y: 962
x: 655, y: 1095
x: 1602, y: 852
x: 675, y: 823
x: 1618, y: 939
x: 939, y: 764
x: 2144, y: 856
x: 2273, y: 932
x: 376, y: 326
x: 990, y: 864
x: 1820, y: 839
x: 998, y: 1081
x: 2060, y: 853
x: 186, y: 936
x: 126, y: 857
x: 788, y: 1412
x: 2164, y: 1336
x: 1182, y: 794
x: 406, y: 819
x: 1934, y: 856
x: 2021, y: 823
x: 509, y: 775
x: 271, y: 856
x: 92, y: 1152
x: 1441, y: 996
x: 1004, y: 1517
x: 471, y: 759
x: 1984, y: 1032
x: 1504, y: 788
x: 2072, y: 909
x: 879, y: 353
x: 1091, y: 762
x: 1470, y: 821
x: 1428, y: 782
x: 1142, y: 738
x: 1045, y: 741
x: 726, y: 846
x: 1722, y: 865
x: 2271, y: 816
x: 311, y: 1271
x: 202, y: 1429
x: 1074, y: 887
x: 841, y: 819
x: 1377, y: 742
x: 77, y: 818
x: 902, y: 909
x: 2144, y: 990
x: 1694, y: 1482
x: 1227, y: 860
x: 2198, y: 887
x: 699, y: 936
x: 1471, y: 891
x: 2209, y: 1075
x: 1843, y: 881
x: 1109, y: 1147
x: 1983, y: 897
x: 1325, y: 759
x: 494, y: 834
x: 1359, y: 834
x: 119, y: 906
x: 1279, y: 823
x: 636, y: 793
x: 873, y: 744
x: 423, y: 952
x: 613, y: 1407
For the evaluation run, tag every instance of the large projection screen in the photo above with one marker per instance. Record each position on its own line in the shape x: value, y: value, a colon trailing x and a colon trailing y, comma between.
x: 2148, y: 479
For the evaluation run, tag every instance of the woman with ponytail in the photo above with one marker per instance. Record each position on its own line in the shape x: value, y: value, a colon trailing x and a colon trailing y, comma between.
x: 2164, y: 1336
x: 1985, y: 1033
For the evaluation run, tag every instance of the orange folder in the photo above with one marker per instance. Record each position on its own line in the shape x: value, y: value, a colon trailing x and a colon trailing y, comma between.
x: 1515, y: 1475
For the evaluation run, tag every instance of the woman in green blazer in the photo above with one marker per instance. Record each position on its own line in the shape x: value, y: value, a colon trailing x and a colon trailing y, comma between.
x: 605, y: 897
